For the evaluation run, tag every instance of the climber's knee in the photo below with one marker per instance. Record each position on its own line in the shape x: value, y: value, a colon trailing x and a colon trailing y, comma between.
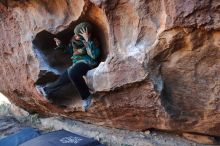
x: 74, y: 75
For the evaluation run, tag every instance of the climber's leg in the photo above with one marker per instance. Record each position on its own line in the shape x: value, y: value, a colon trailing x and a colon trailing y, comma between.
x: 76, y: 74
x: 59, y: 83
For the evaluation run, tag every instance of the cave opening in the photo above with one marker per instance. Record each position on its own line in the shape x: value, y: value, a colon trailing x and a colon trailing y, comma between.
x: 53, y: 62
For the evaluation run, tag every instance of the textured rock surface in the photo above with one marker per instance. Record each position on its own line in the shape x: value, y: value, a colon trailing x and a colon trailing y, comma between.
x: 162, y: 68
x: 15, y: 119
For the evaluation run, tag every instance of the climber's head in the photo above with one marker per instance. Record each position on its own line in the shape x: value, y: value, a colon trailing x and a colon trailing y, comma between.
x: 84, y: 25
x: 77, y: 37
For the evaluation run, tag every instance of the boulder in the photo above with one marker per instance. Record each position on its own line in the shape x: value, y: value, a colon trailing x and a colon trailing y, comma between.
x: 159, y: 66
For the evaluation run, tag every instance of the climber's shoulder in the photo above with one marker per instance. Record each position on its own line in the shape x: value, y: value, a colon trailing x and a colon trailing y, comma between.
x: 96, y: 42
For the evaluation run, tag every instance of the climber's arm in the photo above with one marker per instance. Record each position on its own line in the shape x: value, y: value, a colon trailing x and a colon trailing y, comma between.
x: 68, y: 49
x: 80, y: 51
x: 92, y: 49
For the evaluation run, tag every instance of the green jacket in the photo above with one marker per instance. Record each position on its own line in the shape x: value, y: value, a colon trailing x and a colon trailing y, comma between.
x: 88, y: 54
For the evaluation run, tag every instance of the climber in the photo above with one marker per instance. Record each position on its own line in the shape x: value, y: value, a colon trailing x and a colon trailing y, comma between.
x: 85, y: 51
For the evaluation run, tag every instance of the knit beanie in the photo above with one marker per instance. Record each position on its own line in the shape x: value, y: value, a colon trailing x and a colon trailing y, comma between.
x: 83, y: 25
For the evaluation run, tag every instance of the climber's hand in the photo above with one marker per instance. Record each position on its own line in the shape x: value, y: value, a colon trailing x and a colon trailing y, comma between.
x: 57, y: 41
x: 76, y: 52
x: 84, y: 33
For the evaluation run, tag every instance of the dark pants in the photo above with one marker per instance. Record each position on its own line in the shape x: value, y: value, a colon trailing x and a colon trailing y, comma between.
x: 74, y: 75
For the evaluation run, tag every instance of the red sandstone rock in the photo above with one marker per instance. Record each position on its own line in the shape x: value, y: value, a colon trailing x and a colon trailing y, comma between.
x: 162, y: 68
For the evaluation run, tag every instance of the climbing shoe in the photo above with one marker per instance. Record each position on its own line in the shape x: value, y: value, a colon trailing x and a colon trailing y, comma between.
x: 42, y: 91
x: 87, y: 103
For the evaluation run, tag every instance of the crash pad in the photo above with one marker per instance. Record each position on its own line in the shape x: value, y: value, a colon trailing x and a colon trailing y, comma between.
x: 61, y: 138
x: 22, y: 136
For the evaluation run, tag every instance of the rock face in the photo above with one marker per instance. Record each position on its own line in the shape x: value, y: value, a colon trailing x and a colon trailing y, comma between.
x: 160, y: 62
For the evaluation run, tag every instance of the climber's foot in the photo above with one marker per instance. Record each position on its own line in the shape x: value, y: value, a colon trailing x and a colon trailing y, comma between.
x: 87, y: 103
x: 42, y: 91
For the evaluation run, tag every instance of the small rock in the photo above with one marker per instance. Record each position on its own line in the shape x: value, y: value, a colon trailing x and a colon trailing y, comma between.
x: 147, y: 132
